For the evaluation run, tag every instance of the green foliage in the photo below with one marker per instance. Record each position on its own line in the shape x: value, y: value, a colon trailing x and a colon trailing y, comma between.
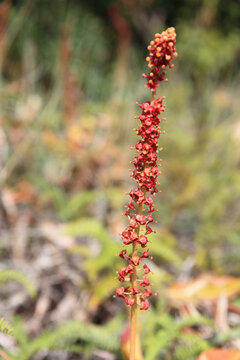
x: 5, y: 328
x: 189, y: 347
x: 99, y: 267
x: 165, y: 335
x: 202, y: 181
x: 18, y: 276
x: 163, y: 246
x: 107, y: 256
x: 78, y: 203
x: 213, y: 52
x: 229, y: 335
x: 65, y: 337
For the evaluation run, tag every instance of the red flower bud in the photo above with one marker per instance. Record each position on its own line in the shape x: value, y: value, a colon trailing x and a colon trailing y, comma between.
x: 127, y: 241
x: 149, y: 230
x: 145, y: 282
x: 147, y: 293
x: 145, y: 254
x: 144, y: 305
x: 135, y: 260
x: 123, y: 254
x: 133, y: 224
x: 141, y: 219
x: 120, y: 292
x: 146, y: 269
x: 131, y: 205
x: 142, y: 240
x: 130, y: 301
x: 149, y: 218
x: 135, y: 290
x: 133, y: 236
x: 129, y: 269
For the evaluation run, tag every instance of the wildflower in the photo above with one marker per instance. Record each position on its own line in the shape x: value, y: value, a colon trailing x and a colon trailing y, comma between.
x: 145, y: 172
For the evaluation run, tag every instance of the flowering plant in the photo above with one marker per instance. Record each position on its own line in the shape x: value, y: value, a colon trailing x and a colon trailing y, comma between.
x: 135, y: 290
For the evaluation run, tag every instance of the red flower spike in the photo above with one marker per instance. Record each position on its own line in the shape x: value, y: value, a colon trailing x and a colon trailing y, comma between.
x: 145, y: 172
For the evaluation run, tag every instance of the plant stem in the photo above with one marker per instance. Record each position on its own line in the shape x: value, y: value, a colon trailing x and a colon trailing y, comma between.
x: 133, y: 332
x: 134, y: 308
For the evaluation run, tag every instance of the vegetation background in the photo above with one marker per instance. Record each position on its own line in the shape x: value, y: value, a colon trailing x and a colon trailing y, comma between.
x: 70, y: 74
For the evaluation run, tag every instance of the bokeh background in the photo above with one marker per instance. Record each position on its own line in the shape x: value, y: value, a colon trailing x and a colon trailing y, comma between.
x: 70, y: 74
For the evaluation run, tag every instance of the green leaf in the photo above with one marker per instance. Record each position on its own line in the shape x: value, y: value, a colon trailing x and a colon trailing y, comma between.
x: 5, y: 327
x: 18, y: 276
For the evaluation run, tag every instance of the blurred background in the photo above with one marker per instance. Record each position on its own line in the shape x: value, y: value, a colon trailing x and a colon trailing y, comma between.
x: 70, y: 74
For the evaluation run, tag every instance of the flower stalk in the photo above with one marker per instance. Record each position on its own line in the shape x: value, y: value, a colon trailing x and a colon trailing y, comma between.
x: 136, y: 289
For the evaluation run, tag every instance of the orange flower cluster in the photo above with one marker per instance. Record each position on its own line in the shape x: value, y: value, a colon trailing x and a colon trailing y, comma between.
x: 162, y: 52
